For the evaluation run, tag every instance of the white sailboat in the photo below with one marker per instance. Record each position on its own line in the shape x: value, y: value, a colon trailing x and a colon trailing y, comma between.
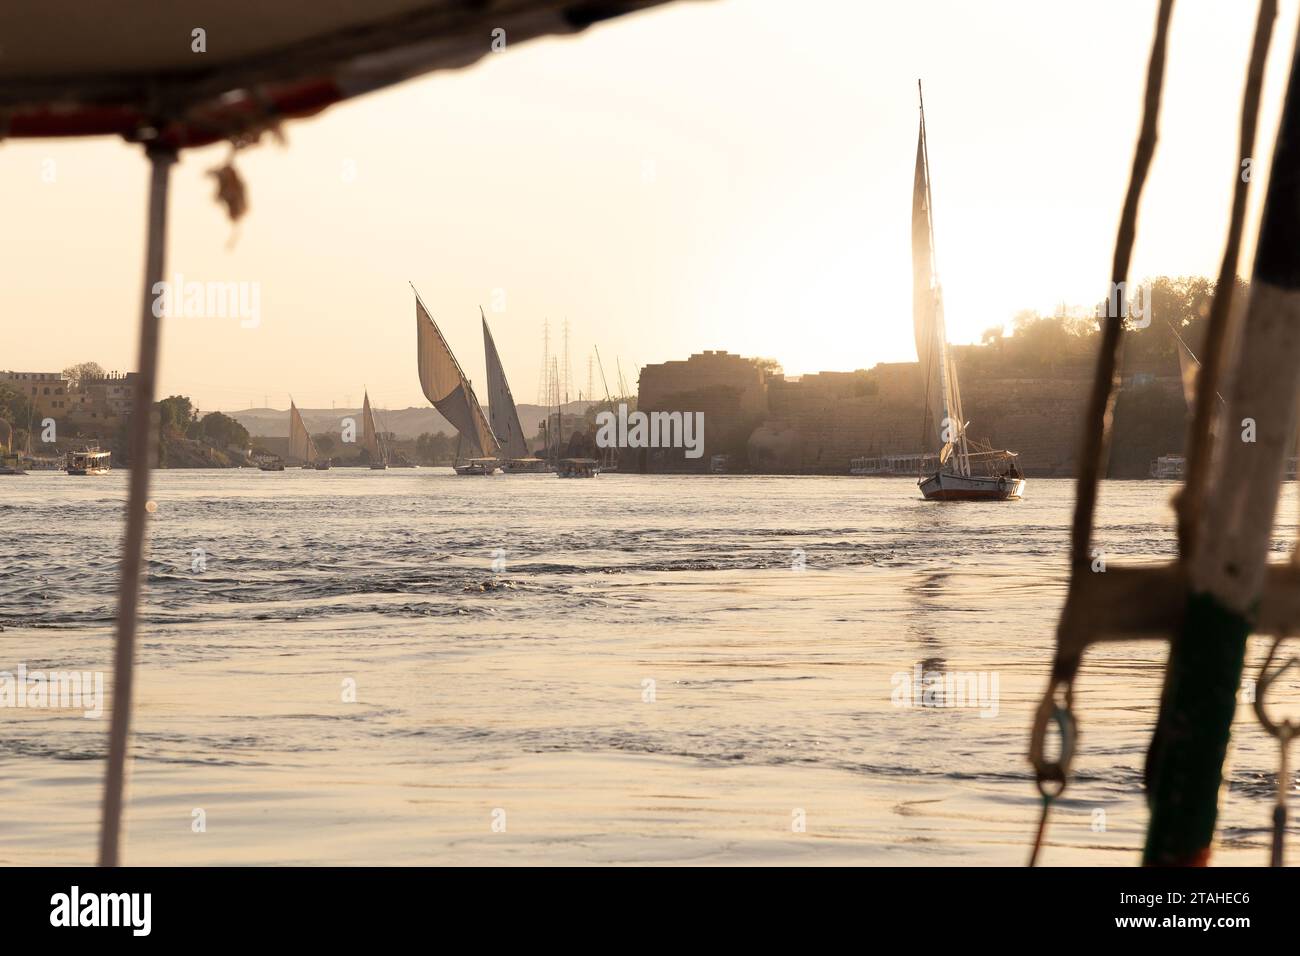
x: 968, y: 470
x: 301, y: 445
x: 503, y: 413
x: 370, y: 440
x: 446, y: 386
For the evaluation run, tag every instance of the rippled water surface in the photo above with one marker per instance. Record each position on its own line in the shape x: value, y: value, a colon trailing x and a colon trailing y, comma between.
x: 647, y: 677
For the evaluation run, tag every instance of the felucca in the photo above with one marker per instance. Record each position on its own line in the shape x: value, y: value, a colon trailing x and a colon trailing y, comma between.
x: 968, y: 470
x: 503, y: 413
x: 301, y: 445
x: 446, y: 386
x: 370, y: 439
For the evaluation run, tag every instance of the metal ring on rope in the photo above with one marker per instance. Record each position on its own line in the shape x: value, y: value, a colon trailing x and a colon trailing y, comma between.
x: 1051, y: 775
x: 1284, y: 731
x: 1287, y: 728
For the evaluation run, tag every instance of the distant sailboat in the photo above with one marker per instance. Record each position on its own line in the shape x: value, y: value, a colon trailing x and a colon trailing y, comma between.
x: 967, y: 471
x: 1174, y: 467
x: 446, y: 386
x: 370, y: 439
x: 503, y: 412
x: 301, y: 445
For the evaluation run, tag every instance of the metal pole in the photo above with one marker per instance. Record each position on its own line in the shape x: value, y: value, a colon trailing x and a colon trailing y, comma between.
x: 141, y: 453
x: 1234, y: 533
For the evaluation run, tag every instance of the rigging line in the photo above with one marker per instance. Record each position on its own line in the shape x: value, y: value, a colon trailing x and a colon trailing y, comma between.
x: 1096, y: 430
x: 1051, y: 776
x: 133, y: 567
x: 1187, y: 348
x: 1284, y: 731
x: 1201, y: 437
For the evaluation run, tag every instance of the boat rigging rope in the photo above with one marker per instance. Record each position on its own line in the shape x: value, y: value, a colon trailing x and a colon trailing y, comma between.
x: 1073, y: 633
x: 1190, y: 505
x: 1051, y: 780
x: 1285, y: 731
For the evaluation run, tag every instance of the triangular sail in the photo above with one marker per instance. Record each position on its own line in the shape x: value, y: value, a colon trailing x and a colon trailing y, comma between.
x: 943, y: 422
x: 501, y: 404
x: 301, y: 445
x: 370, y: 434
x: 446, y: 386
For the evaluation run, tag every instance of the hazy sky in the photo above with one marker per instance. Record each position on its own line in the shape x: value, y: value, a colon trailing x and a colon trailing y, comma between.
x: 728, y: 175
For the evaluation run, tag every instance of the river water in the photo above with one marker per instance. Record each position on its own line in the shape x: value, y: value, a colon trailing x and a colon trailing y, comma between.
x: 412, y: 667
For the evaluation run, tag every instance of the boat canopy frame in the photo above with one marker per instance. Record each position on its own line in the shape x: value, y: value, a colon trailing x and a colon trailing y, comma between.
x: 1222, y: 587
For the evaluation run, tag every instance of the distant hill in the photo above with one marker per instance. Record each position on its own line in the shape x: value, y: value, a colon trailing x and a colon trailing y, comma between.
x: 405, y: 422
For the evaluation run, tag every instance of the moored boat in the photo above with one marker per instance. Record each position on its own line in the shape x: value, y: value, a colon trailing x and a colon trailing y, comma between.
x: 525, y: 466
x: 887, y: 466
x: 578, y: 468
x: 1169, y: 467
x: 477, y: 466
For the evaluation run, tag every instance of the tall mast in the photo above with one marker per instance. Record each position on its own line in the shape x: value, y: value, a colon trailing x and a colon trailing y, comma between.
x: 947, y: 375
x: 602, y: 378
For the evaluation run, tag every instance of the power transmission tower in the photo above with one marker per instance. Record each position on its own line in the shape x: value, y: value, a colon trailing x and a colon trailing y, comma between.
x: 566, y: 373
x: 544, y: 378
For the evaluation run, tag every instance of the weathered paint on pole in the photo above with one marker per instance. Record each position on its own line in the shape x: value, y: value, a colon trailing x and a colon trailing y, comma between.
x: 1226, y: 572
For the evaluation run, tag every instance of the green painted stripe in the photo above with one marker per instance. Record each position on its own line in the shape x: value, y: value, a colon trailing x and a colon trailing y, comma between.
x: 1185, y: 765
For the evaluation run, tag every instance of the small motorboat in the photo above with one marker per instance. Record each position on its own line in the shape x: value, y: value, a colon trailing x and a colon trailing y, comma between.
x: 477, y: 466
x: 578, y: 468
x: 90, y: 461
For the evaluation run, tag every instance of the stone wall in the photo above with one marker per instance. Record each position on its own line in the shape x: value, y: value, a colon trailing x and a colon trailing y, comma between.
x: 819, y: 423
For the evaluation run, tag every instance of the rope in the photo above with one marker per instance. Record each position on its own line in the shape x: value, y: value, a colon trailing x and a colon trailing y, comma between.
x: 1096, y: 427
x: 1042, y: 830
x: 1201, y: 438
x: 1096, y: 430
x: 1284, y: 731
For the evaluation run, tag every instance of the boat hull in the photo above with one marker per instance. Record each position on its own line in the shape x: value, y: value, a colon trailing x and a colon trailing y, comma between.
x: 942, y: 486
x: 525, y: 466
x: 475, y: 470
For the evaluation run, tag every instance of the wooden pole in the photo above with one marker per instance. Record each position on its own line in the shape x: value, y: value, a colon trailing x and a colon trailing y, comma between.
x: 1202, y: 437
x: 141, y: 453
x: 1226, y: 572
x: 1096, y: 436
